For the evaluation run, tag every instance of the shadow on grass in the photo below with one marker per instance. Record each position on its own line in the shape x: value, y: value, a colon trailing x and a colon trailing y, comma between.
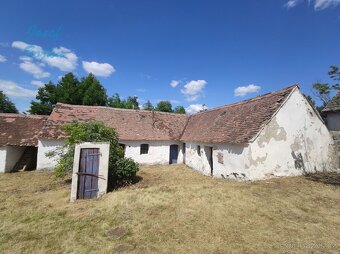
x: 325, y: 177
x: 112, y: 185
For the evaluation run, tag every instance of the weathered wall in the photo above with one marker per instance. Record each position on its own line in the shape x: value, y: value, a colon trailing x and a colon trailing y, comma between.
x: 159, y: 151
x: 333, y: 121
x: 9, y: 156
x: 228, y: 160
x: 46, y: 146
x: 296, y: 141
x: 14, y: 153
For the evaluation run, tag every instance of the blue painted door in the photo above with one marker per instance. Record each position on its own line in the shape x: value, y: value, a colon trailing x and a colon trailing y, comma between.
x: 88, y: 173
x: 173, y: 154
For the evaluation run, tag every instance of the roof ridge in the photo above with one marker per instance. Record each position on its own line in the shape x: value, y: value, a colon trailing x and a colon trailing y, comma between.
x: 262, y: 96
x: 22, y: 115
x: 121, y: 109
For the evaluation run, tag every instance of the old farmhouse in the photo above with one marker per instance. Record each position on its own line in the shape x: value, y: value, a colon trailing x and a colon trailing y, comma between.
x: 276, y: 134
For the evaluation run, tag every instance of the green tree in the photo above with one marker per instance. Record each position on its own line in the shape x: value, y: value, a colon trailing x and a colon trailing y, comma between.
x: 47, y: 98
x: 164, y: 106
x: 121, y: 170
x: 148, y: 106
x: 69, y: 90
x: 132, y: 102
x: 92, y: 92
x: 6, y: 105
x: 179, y: 110
x: 323, y: 91
x: 115, y: 101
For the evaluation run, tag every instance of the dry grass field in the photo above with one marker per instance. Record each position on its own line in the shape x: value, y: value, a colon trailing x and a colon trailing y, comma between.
x: 170, y: 210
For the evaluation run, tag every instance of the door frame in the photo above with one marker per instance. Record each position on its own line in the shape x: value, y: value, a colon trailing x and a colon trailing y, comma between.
x: 104, y: 149
x: 170, y: 153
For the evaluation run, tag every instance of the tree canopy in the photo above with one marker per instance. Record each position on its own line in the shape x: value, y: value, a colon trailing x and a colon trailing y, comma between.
x: 6, y: 105
x: 88, y: 91
x: 69, y: 90
x: 323, y: 91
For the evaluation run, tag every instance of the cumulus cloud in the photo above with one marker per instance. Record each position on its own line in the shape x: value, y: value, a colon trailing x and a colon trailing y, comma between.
x: 2, y: 59
x: 318, y: 4
x: 37, y: 83
x: 34, y: 69
x: 244, y: 90
x: 174, y: 83
x: 11, y: 88
x: 194, y: 108
x: 62, y: 58
x: 193, y: 89
x: 99, y: 69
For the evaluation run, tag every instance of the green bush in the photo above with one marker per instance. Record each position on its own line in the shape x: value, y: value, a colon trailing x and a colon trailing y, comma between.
x: 121, y: 170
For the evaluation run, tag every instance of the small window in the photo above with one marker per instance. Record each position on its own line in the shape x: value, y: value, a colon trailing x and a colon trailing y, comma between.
x: 199, y: 150
x: 144, y: 149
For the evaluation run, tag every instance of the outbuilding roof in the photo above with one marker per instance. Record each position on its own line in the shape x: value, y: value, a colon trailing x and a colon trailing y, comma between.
x: 130, y: 124
x: 20, y: 130
x: 333, y: 105
x: 235, y: 123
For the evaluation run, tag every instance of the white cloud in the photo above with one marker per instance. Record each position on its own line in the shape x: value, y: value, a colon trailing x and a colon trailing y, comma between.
x: 61, y: 58
x: 193, y: 89
x: 2, y: 59
x: 34, y: 69
x: 174, y: 83
x: 244, y: 90
x: 292, y: 3
x: 323, y: 4
x: 11, y: 88
x: 318, y: 4
x: 99, y: 69
x: 194, y: 108
x: 37, y: 83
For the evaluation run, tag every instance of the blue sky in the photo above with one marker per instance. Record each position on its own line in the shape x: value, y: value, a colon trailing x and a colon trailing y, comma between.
x: 189, y: 52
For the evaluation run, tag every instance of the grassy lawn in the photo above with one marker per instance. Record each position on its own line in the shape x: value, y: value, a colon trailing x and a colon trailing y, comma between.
x: 171, y: 210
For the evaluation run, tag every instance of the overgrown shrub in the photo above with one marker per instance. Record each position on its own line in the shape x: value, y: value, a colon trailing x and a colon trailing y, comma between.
x: 121, y: 170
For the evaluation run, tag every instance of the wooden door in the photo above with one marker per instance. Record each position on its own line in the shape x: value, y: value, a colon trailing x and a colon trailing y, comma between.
x: 88, y: 173
x: 173, y: 154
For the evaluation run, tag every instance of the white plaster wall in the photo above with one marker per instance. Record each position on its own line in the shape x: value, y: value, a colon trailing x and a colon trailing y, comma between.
x: 295, y: 130
x: 14, y: 153
x: 159, y: 151
x: 9, y: 156
x: 232, y: 159
x: 3, y: 154
x: 333, y: 121
x: 46, y: 146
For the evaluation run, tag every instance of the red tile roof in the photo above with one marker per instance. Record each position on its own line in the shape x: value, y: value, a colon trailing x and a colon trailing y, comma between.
x: 130, y: 124
x: 20, y: 130
x: 236, y: 123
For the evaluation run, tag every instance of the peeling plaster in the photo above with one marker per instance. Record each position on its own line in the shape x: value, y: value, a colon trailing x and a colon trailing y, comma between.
x: 273, y: 130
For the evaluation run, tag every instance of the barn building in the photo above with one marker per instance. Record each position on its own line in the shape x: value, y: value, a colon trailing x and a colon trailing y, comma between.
x: 19, y: 141
x: 276, y: 134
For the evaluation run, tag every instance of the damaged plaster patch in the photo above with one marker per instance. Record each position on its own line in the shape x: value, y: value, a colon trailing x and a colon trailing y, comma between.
x: 258, y: 160
x: 273, y: 130
x: 296, y: 146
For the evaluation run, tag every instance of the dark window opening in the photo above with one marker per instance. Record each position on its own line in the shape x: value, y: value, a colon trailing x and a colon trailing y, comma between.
x: 199, y: 150
x: 144, y: 149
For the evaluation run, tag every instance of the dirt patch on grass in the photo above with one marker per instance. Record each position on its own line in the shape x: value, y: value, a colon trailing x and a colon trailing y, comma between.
x: 172, y: 209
